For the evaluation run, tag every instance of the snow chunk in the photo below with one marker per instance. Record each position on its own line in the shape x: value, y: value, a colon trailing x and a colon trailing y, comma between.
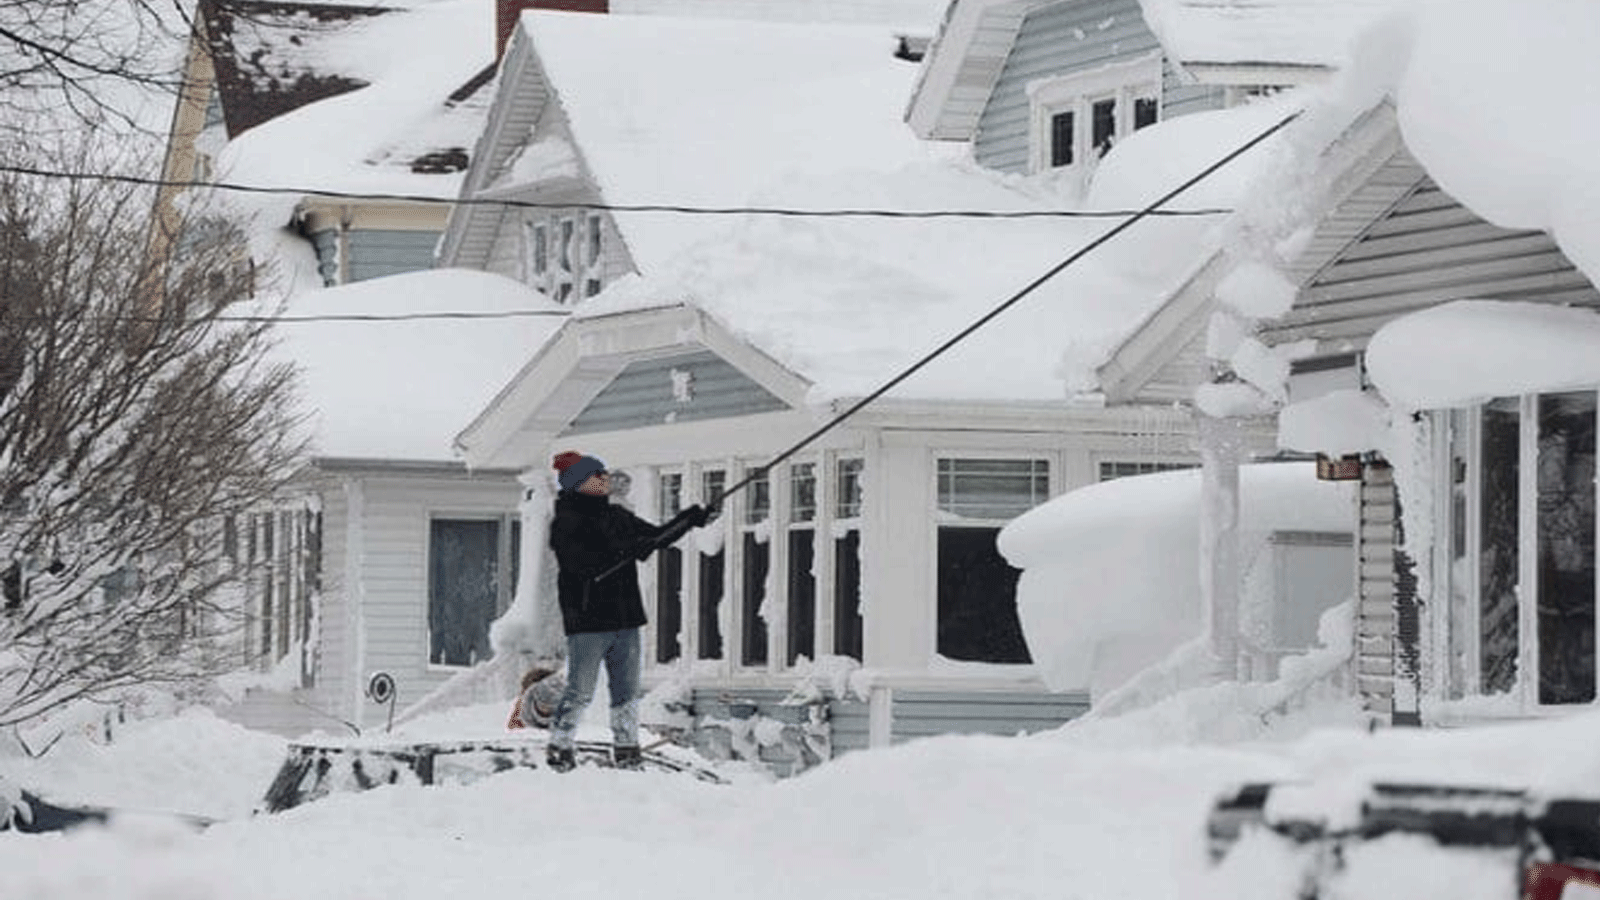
x: 1258, y: 290
x: 1472, y: 350
x: 1336, y: 423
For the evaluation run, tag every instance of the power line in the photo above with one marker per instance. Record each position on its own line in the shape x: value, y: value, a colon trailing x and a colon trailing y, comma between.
x: 676, y: 209
x: 1208, y: 171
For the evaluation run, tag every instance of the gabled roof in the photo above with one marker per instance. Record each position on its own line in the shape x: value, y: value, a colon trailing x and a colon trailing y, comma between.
x: 351, y: 98
x: 962, y: 65
x: 732, y: 113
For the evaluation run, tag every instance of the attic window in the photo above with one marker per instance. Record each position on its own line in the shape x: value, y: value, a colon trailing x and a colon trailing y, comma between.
x: 1079, y: 118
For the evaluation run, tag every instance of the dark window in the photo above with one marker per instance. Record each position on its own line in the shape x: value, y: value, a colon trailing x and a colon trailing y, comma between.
x: 591, y: 287
x: 593, y: 254
x: 465, y: 588
x: 1566, y: 508
x: 754, y: 633
x: 802, y: 595
x: 992, y: 488
x: 1061, y: 135
x: 712, y: 569
x: 711, y: 587
x: 564, y: 249
x: 1498, y: 560
x: 977, y: 599
x: 847, y: 595
x: 1103, y: 126
x: 564, y: 292
x: 541, y: 249
x: 848, y: 499
x: 1144, y: 112
x: 669, y: 574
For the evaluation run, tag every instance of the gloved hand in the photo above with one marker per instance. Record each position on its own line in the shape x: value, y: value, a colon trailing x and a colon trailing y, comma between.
x: 697, y: 516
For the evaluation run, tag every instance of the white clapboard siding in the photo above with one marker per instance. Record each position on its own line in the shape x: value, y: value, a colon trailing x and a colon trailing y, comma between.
x: 1375, y: 613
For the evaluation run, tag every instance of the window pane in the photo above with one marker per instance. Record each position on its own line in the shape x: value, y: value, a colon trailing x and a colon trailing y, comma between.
x: 541, y: 249
x: 1112, y: 470
x: 754, y: 633
x: 669, y: 494
x: 802, y: 596
x: 1497, y: 547
x: 564, y: 250
x: 712, y: 484
x: 803, y: 492
x: 591, y: 287
x: 992, y: 488
x: 669, y: 603
x: 977, y: 599
x: 847, y: 595
x: 758, y: 500
x: 593, y: 255
x: 1566, y: 547
x: 1459, y: 573
x: 1061, y: 139
x: 848, y: 501
x: 1144, y: 112
x: 1103, y: 125
x: 710, y: 630
x: 462, y: 600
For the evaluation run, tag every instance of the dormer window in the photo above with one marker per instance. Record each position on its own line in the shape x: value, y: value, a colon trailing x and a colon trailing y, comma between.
x: 1078, y: 118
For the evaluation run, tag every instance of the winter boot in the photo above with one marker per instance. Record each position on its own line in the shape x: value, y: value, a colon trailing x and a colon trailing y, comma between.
x: 560, y: 759
x: 625, y: 757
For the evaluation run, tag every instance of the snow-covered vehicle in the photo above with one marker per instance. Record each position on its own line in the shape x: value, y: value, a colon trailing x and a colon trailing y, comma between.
x: 313, y: 770
x: 1550, y: 845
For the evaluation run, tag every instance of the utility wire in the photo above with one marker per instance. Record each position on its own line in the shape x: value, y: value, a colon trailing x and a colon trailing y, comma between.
x: 678, y: 209
x: 1009, y: 302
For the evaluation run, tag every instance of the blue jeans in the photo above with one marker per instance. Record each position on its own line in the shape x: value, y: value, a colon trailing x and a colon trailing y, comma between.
x: 621, y: 652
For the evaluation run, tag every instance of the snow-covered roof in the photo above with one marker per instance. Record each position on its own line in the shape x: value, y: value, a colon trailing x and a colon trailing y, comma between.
x: 847, y: 303
x: 729, y: 108
x: 400, y: 389
x: 407, y: 125
x: 1262, y: 32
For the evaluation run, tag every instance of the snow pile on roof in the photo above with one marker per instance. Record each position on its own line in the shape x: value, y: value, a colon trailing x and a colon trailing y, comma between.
x: 1292, y: 32
x: 1110, y: 572
x: 1470, y: 351
x: 848, y: 303
x: 1493, y: 105
x: 412, y: 61
x: 400, y: 390
x: 728, y: 108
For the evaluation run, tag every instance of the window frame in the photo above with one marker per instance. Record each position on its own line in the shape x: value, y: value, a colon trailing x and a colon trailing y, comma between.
x: 1124, y: 83
x: 1457, y: 635
x: 506, y: 550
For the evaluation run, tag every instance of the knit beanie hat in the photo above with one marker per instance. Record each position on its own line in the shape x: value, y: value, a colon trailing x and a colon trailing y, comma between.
x: 573, y: 468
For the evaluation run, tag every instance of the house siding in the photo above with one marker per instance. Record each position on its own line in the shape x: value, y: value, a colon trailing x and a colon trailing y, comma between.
x: 394, y: 567
x: 375, y: 253
x: 1376, y: 613
x: 642, y: 395
x: 1425, y: 250
x: 926, y: 713
x: 1176, y: 380
x: 1057, y: 40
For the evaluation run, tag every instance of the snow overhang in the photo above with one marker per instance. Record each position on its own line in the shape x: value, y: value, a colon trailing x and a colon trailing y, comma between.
x: 1469, y: 351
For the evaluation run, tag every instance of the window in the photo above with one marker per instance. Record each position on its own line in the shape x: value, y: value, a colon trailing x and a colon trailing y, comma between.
x: 801, y: 594
x: 564, y: 249
x: 756, y: 547
x: 669, y: 573
x: 592, y: 256
x: 1522, y: 482
x: 471, y: 573
x: 1079, y: 118
x: 712, y: 570
x: 847, y: 630
x: 1123, y: 469
x: 977, y: 600
x: 279, y: 553
x: 541, y: 249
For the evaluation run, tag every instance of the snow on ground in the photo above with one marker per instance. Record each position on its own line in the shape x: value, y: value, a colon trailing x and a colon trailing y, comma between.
x: 1102, y: 808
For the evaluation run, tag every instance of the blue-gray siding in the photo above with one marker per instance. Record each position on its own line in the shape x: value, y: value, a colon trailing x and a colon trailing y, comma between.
x: 375, y: 253
x: 924, y: 713
x: 1061, y: 39
x: 643, y: 394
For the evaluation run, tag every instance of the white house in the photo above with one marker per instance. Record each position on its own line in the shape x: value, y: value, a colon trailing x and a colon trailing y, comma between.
x: 1436, y: 339
x: 701, y: 348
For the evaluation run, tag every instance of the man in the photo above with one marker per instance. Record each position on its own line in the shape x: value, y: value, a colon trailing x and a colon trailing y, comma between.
x: 597, y: 545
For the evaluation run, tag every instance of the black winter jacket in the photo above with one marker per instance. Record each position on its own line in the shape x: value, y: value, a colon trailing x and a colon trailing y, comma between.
x: 590, y: 535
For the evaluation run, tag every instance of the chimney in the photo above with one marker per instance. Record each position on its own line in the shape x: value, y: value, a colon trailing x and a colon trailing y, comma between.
x: 506, y: 13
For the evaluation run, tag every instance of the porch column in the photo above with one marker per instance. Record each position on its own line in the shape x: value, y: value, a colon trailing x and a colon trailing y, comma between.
x: 1221, y: 450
